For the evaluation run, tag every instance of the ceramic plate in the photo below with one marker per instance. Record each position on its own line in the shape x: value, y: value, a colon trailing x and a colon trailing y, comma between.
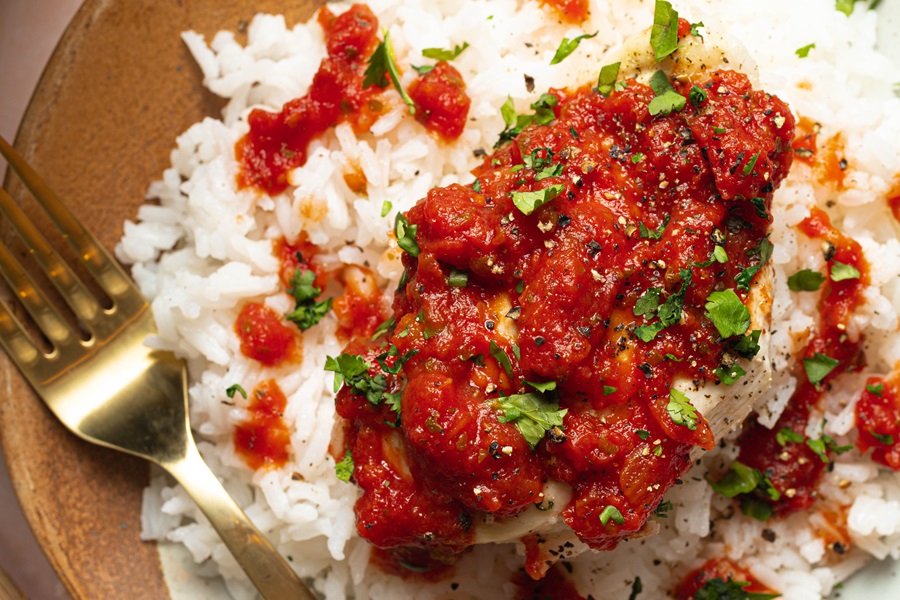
x: 119, y: 88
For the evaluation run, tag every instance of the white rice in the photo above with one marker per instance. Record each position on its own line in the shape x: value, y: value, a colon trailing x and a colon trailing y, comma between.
x: 201, y: 248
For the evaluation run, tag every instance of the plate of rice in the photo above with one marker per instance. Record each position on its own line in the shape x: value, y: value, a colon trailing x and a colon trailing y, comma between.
x: 507, y: 298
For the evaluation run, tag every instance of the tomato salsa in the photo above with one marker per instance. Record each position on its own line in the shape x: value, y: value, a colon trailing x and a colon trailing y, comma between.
x: 548, y: 309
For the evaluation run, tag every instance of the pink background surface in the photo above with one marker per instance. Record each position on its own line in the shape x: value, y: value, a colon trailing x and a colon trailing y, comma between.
x: 29, y: 30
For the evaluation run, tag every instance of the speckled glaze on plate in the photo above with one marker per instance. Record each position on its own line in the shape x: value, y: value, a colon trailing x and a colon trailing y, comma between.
x: 119, y: 88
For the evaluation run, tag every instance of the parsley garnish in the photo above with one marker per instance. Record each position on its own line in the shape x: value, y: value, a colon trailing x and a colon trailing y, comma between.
x: 740, y: 479
x: 637, y: 587
x: 884, y: 438
x: 406, y: 235
x: 502, y: 357
x: 567, y: 47
x: 235, y: 389
x: 648, y: 303
x: 344, y: 469
x: 718, y: 589
x: 643, y: 434
x: 805, y: 280
x: 386, y: 207
x: 695, y: 29
x: 759, y: 205
x: 748, y: 168
x: 744, y: 278
x: 543, y: 114
x: 727, y: 313
x: 786, y: 434
x: 818, y: 367
x: 729, y: 375
x: 666, y: 99
x: 696, y: 96
x: 352, y: 370
x: 608, y: 389
x: 681, y: 410
x: 442, y: 54
x: 840, y: 271
x: 804, y: 51
x: 664, y: 34
x: 611, y: 513
x: 307, y: 311
x: 876, y: 389
x: 458, y: 278
x: 747, y: 346
x: 532, y: 414
x: 653, y: 234
x: 542, y: 386
x: 606, y: 83
x: 383, y: 66
x: 821, y: 445
x: 528, y: 202
x: 669, y: 312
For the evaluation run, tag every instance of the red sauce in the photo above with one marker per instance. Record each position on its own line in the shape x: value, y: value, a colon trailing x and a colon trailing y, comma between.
x: 441, y: 101
x: 264, y: 440
x: 555, y: 586
x: 298, y: 255
x: 264, y: 336
x: 804, y: 144
x: 826, y: 158
x: 278, y: 142
x: 570, y: 11
x: 362, y: 307
x: 719, y: 568
x: 573, y: 270
x: 794, y: 469
x: 878, y: 420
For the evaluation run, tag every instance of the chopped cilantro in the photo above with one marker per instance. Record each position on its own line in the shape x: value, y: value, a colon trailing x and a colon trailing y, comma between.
x: 653, y: 234
x: 307, y: 312
x: 818, y: 367
x: 646, y: 333
x: 884, y: 438
x: 747, y: 346
x: 543, y: 114
x: 727, y: 313
x: 606, y: 83
x: 235, y: 389
x: 386, y: 208
x: 748, y: 168
x: 648, y: 303
x: 406, y: 235
x: 681, y: 410
x: 876, y: 389
x: 642, y: 433
x: 666, y: 100
x: 786, y: 434
x: 720, y: 255
x: 759, y: 205
x: 805, y: 280
x: 696, y: 96
x: 740, y: 479
x: 637, y: 587
x: 822, y: 445
x: 383, y: 328
x: 382, y: 67
x: 344, y: 469
x: 745, y: 277
x: 352, y: 370
x: 756, y: 508
x: 423, y: 70
x: 719, y: 130
x: 567, y: 47
x: 542, y: 386
x: 608, y: 389
x: 442, y: 54
x: 840, y: 271
x: 532, y: 415
x: 664, y: 34
x: 803, y: 52
x: 637, y: 157
x: 664, y: 507
x: 695, y: 29
x: 729, y: 375
x: 719, y: 589
x: 611, y: 513
x: 502, y: 357
x: 458, y: 278
x: 528, y: 202
x: 669, y: 312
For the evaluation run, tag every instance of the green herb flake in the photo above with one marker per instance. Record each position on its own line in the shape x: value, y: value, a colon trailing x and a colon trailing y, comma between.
x: 383, y: 67
x: 760, y: 510
x: 697, y: 96
x: 528, y: 202
x: 344, y: 469
x: 719, y: 589
x: 567, y: 47
x: 352, y: 370
x: 803, y: 52
x: 608, y: 389
x: 423, y: 70
x: 637, y: 587
x: 729, y: 375
x: 822, y: 445
x: 386, y: 207
x: 542, y: 386
x: 502, y: 357
x: 841, y: 272
x: 786, y: 434
x: 748, y: 168
x: 666, y: 99
x: 884, y: 438
x: 805, y: 280
x: 458, y: 278
x: 695, y: 29
x: 720, y: 255
x: 307, y: 312
x: 818, y: 367
x: 532, y: 415
x: 611, y: 513
x: 664, y: 34
x: 637, y: 157
x: 642, y: 433
x: 844, y: 6
x: 647, y: 333
x: 719, y: 130
x: 647, y: 303
x: 442, y: 54
x: 876, y: 389
x: 385, y: 326
x: 235, y: 389
x: 727, y: 313
x: 606, y: 83
x: 406, y: 235
x: 681, y: 410
x: 653, y: 234
x: 759, y: 205
x: 747, y: 346
x: 745, y: 277
x: 740, y: 479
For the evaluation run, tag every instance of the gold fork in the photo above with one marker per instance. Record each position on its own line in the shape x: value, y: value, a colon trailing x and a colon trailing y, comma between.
x: 111, y: 389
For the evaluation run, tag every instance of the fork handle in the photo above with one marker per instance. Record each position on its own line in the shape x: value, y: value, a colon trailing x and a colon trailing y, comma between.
x: 265, y: 567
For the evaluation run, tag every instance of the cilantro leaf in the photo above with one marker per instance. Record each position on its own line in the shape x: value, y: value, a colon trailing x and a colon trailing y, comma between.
x: 344, y: 469
x: 786, y: 434
x: 747, y: 346
x: 740, y: 479
x: 648, y: 303
x: 608, y: 389
x: 382, y: 329
x: 528, y: 202
x: 532, y: 414
x: 646, y: 333
x: 695, y: 29
x: 840, y: 271
x: 670, y: 312
x: 745, y: 277
x: 805, y: 280
x: 803, y: 51
x: 681, y: 410
x: 666, y: 99
x: 719, y: 589
x: 501, y: 357
x: 876, y: 389
x: 884, y: 438
x: 818, y: 367
x: 458, y: 278
x: 406, y: 235
x: 748, y: 168
x: 307, y: 312
x: 759, y: 205
x: 442, y: 54
x: 346, y: 366
x: 352, y: 370
x: 567, y: 47
x: 606, y: 83
x: 696, y: 96
x: 653, y: 234
x: 382, y: 67
x: 542, y: 386
x: 664, y: 34
x: 821, y: 446
x: 235, y: 389
x: 729, y: 375
x: 727, y: 313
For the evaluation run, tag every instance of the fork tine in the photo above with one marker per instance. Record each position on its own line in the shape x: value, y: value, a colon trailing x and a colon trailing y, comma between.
x: 14, y: 340
x: 105, y: 270
x: 50, y: 322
